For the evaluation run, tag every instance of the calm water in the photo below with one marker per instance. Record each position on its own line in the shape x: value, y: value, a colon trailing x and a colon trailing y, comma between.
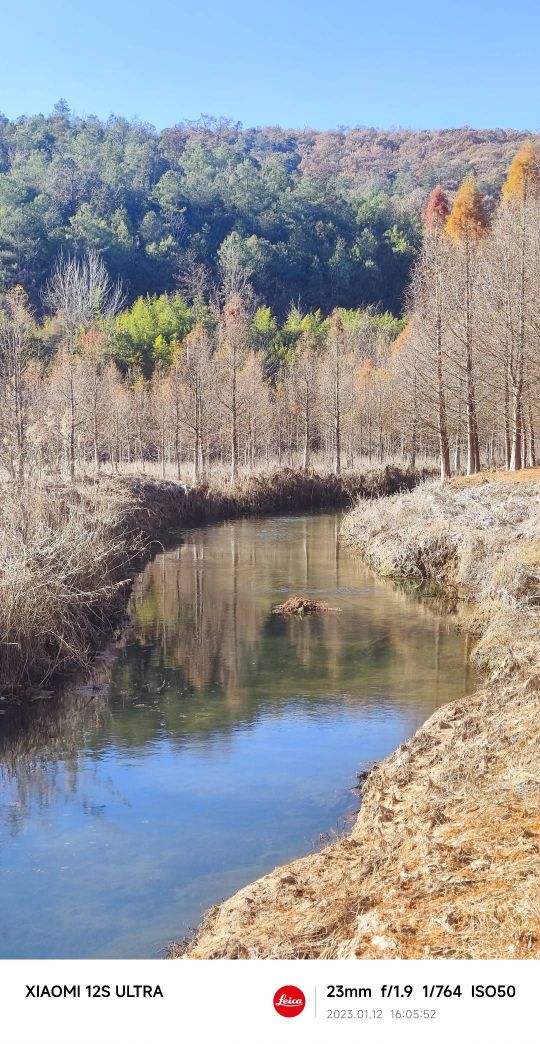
x: 217, y: 742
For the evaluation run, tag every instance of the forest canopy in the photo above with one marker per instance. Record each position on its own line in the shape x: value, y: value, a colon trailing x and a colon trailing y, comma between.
x: 319, y: 219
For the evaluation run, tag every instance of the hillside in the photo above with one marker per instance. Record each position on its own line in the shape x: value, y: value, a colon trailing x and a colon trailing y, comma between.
x: 325, y: 219
x: 408, y: 163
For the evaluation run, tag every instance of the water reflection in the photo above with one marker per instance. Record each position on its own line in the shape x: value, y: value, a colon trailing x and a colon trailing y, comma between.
x: 216, y: 743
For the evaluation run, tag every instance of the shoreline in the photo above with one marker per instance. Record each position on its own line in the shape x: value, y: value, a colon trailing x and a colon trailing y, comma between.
x: 443, y: 860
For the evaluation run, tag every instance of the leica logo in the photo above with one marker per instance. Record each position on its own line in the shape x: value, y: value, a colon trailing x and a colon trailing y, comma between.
x: 289, y: 1001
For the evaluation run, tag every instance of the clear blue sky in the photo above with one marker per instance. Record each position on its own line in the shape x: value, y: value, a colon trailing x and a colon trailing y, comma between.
x: 298, y: 63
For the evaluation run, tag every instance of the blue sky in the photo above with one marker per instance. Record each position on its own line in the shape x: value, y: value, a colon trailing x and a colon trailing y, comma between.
x: 301, y: 63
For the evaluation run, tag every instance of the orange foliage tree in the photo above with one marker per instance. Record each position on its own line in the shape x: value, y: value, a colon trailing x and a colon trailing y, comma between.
x: 523, y: 179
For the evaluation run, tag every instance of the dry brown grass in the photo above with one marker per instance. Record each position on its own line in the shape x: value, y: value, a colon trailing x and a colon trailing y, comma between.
x: 62, y: 572
x: 481, y: 539
x: 300, y: 606
x: 525, y: 475
x: 442, y: 863
x: 444, y: 858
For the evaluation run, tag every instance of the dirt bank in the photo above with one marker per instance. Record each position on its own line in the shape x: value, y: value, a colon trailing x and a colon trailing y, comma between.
x: 444, y: 858
x: 68, y: 554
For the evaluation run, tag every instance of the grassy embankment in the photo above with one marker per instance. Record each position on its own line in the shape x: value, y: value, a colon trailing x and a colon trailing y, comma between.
x: 69, y: 554
x: 444, y: 858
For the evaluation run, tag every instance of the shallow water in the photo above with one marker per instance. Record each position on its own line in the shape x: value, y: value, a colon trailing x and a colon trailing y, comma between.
x: 217, y: 742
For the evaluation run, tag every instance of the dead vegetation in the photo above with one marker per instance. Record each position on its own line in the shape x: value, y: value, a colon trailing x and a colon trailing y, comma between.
x: 62, y: 573
x: 298, y: 606
x: 68, y: 553
x: 524, y: 475
x: 444, y: 858
x: 482, y: 539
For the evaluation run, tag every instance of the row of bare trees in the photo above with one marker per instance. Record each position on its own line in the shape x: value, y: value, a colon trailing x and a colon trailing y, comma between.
x: 209, y: 407
x: 467, y: 364
x: 216, y: 405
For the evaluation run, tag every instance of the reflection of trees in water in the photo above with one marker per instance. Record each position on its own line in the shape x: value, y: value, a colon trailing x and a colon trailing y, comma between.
x: 206, y: 654
x: 40, y: 744
x: 208, y: 606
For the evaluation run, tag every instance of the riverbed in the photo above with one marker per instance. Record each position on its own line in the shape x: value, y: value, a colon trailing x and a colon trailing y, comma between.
x: 215, y: 741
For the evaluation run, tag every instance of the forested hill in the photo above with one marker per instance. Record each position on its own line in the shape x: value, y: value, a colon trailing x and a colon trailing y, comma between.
x: 325, y: 218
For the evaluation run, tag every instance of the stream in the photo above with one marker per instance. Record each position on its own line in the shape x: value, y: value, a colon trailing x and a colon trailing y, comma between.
x: 215, y: 741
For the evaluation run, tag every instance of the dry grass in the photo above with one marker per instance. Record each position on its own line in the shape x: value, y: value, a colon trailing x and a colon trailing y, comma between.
x: 525, y: 475
x: 481, y: 539
x: 442, y: 862
x: 301, y: 606
x: 62, y: 572
x: 218, y: 474
x: 444, y: 858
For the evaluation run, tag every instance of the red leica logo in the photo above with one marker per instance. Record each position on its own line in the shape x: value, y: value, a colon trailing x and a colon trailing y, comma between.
x: 289, y: 1001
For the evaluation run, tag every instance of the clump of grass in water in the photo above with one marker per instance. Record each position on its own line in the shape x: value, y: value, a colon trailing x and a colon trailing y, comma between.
x: 301, y: 606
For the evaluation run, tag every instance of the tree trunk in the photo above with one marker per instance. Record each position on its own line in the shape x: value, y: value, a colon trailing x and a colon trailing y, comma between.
x: 96, y: 441
x: 444, y: 444
x: 516, y: 451
x: 71, y: 441
x: 473, y: 451
x: 305, y: 457
x: 507, y: 438
x: 532, y: 452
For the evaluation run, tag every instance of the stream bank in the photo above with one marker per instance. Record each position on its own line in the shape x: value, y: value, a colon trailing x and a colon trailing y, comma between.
x: 443, y: 860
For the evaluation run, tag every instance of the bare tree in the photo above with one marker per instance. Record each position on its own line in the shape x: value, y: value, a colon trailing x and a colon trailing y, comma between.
x: 466, y: 226
x: 234, y: 272
x: 15, y: 354
x: 230, y: 360
x: 511, y: 316
x: 80, y: 293
x: 302, y: 378
x: 428, y: 334
x: 192, y: 396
